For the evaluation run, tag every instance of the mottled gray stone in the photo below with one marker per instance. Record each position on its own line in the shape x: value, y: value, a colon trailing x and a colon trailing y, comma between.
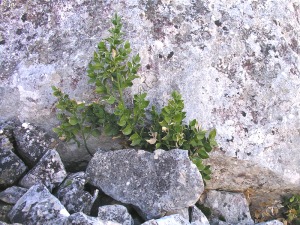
x: 272, y: 222
x: 49, y: 171
x: 192, y: 214
x: 11, y: 166
x: 32, y: 142
x: 4, y: 210
x: 233, y: 207
x: 115, y: 213
x: 12, y: 194
x: 38, y: 206
x: 175, y: 219
x: 3, y: 223
x: 155, y: 183
x: 72, y: 195
x: 80, y: 218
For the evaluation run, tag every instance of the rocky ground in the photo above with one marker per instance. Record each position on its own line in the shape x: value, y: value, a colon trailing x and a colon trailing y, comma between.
x: 125, y: 186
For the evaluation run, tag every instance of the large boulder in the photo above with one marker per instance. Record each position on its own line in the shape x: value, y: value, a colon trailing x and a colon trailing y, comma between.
x: 49, y: 171
x: 175, y: 219
x: 154, y: 183
x: 72, y: 195
x: 38, y: 206
x: 11, y: 166
x: 80, y: 218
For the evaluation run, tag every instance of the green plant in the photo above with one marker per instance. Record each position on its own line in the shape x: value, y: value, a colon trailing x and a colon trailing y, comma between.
x: 292, y: 206
x: 112, y: 71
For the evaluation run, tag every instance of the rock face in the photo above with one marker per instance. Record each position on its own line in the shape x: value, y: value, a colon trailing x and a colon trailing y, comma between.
x: 37, y: 206
x: 80, y: 218
x: 236, y: 64
x: 175, y: 219
x: 72, y: 195
x: 232, y: 207
x: 11, y: 166
x: 49, y: 171
x: 154, y: 183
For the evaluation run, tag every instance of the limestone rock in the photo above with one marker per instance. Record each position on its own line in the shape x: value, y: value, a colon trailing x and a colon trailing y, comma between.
x: 175, y: 219
x: 115, y: 213
x: 72, y: 195
x: 4, y: 210
x: 49, y: 171
x: 32, y: 142
x: 37, y: 206
x: 155, y: 183
x: 11, y: 166
x: 12, y: 194
x: 80, y: 218
x: 233, y: 207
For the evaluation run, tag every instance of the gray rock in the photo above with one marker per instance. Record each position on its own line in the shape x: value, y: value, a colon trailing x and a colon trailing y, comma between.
x: 4, y: 210
x: 154, y: 183
x: 37, y: 206
x: 233, y: 207
x: 32, y: 142
x: 72, y: 195
x: 49, y: 171
x: 192, y: 214
x: 3, y: 223
x: 11, y: 166
x: 12, y: 194
x: 175, y: 219
x: 272, y: 222
x: 80, y: 219
x: 115, y: 213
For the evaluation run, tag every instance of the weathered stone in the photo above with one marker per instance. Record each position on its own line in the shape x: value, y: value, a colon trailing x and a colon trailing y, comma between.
x: 72, y: 195
x: 32, y: 142
x: 272, y: 222
x: 49, y: 171
x: 3, y: 223
x: 80, y: 218
x: 12, y: 194
x: 155, y: 183
x: 11, y: 166
x: 4, y: 210
x: 175, y: 219
x: 115, y: 213
x: 233, y: 207
x: 37, y: 206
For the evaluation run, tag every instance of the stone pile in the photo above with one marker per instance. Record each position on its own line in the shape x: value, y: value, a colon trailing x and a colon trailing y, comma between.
x: 159, y: 188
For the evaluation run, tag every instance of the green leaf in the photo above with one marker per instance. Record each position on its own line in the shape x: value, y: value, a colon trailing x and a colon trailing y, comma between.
x: 73, y: 120
x: 127, y: 130
x: 111, y: 100
x: 212, y: 134
x: 203, y: 154
x: 96, y: 133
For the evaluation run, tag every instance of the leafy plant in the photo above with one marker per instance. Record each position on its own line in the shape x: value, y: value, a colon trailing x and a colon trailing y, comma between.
x: 112, y: 71
x: 292, y: 206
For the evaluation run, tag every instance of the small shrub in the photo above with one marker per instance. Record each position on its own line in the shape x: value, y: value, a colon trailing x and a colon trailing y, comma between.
x: 292, y: 209
x: 112, y: 70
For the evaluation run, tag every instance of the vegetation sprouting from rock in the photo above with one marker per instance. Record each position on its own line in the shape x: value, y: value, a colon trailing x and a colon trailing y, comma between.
x: 112, y: 70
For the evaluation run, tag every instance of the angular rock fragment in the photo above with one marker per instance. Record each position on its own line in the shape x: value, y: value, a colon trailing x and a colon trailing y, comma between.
x: 175, y: 219
x: 80, y: 219
x: 49, y: 171
x: 38, y: 206
x: 154, y: 183
x: 192, y: 214
x: 4, y: 210
x: 115, y: 213
x: 11, y: 166
x: 72, y: 195
x: 233, y: 207
x: 12, y: 194
x: 32, y: 143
